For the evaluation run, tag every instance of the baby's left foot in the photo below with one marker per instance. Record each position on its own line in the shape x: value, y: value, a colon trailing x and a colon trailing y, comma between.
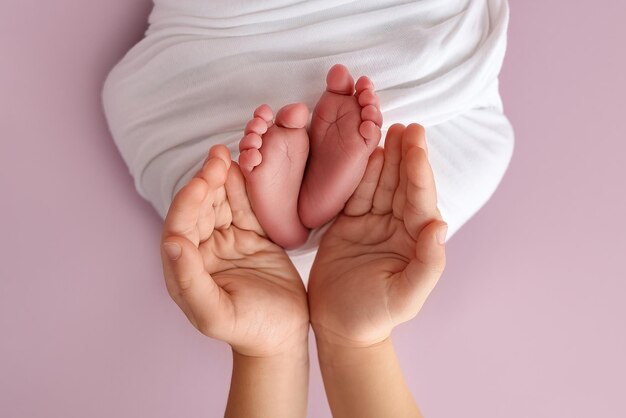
x: 345, y: 130
x: 273, y: 157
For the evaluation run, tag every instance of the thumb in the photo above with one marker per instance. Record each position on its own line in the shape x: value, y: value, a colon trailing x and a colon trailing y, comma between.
x: 423, y: 271
x: 430, y: 252
x: 187, y: 280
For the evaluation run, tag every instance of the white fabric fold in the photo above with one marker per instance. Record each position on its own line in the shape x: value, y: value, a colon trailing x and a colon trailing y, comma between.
x: 203, y: 67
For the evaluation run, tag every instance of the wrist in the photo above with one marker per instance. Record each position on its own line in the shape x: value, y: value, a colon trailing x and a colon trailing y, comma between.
x: 365, y: 381
x: 293, y: 350
x: 333, y: 354
x: 332, y: 338
x: 268, y: 347
x: 274, y: 385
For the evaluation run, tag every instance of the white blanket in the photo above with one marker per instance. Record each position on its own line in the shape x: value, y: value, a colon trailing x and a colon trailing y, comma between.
x: 203, y: 66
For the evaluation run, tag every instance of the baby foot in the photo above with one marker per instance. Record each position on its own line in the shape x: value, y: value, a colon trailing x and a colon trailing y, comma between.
x: 272, y: 159
x: 345, y: 130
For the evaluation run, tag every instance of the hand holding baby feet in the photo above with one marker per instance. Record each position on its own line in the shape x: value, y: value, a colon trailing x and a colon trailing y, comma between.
x: 273, y: 157
x: 222, y: 270
x: 382, y: 256
x: 345, y: 130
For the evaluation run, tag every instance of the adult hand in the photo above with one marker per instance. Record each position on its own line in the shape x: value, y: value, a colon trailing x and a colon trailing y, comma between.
x: 229, y: 279
x: 379, y: 261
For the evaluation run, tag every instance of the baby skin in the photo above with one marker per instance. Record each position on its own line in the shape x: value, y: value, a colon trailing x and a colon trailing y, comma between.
x: 297, y: 180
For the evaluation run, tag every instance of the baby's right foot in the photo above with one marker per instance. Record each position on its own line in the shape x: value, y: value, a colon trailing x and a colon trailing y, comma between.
x: 345, y: 130
x: 272, y: 159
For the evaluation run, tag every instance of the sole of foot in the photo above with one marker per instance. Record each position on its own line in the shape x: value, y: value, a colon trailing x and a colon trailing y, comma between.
x: 273, y: 155
x: 345, y: 130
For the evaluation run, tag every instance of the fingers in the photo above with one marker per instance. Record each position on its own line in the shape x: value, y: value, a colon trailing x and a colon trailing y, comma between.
x: 242, y: 214
x: 413, y: 136
x: 410, y: 290
x: 190, y: 217
x: 221, y: 208
x: 420, y: 206
x: 220, y: 151
x: 389, y: 177
x: 183, y: 267
x: 188, y: 283
x: 430, y: 256
x: 182, y: 216
x: 362, y: 199
x: 215, y: 210
x: 191, y: 213
x: 215, y: 167
x: 214, y: 172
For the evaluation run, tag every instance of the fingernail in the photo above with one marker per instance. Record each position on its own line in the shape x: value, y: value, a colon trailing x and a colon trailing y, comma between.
x: 442, y: 232
x: 172, y: 250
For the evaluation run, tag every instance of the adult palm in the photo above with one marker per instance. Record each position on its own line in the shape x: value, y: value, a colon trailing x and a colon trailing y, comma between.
x: 230, y: 280
x: 381, y: 258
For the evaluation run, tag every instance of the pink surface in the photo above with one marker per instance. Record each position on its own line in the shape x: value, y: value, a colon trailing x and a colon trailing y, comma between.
x: 528, y: 320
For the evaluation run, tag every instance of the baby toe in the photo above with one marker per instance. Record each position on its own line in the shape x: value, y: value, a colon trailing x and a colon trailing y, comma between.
x: 251, y: 140
x: 370, y: 131
x: 368, y: 97
x: 363, y: 83
x: 294, y: 115
x: 372, y: 113
x: 339, y: 80
x: 248, y: 159
x: 264, y: 112
x: 257, y: 126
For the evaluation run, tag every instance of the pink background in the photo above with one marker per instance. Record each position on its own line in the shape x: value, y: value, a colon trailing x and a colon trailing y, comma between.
x: 528, y: 320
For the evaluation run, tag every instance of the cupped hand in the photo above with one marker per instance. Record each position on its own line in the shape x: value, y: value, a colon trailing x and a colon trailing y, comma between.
x: 229, y: 279
x: 382, y: 256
